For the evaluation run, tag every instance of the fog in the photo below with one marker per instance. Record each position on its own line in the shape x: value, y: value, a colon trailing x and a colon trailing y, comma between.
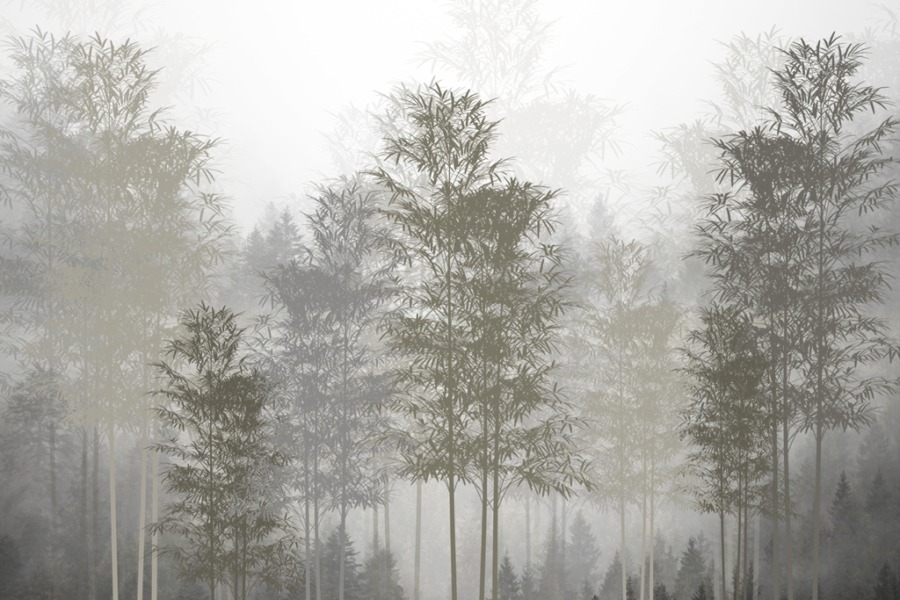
x: 306, y: 301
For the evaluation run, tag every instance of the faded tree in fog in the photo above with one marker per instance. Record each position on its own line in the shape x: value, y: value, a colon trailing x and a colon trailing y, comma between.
x: 628, y: 384
x: 323, y: 350
x: 115, y: 231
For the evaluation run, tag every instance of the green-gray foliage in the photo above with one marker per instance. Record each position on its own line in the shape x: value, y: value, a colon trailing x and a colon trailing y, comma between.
x: 225, y: 514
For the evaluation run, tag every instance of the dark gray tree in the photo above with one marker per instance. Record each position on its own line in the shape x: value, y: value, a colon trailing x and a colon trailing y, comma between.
x: 728, y: 453
x: 226, y: 514
x: 811, y: 180
x: 477, y: 320
x: 692, y: 572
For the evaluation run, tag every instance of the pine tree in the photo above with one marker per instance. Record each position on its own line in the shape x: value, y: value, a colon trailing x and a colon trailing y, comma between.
x: 878, y: 499
x: 887, y: 586
x: 702, y: 593
x: 611, y: 588
x: 509, y: 581
x: 692, y: 574
x: 11, y: 576
x: 356, y: 585
x: 529, y: 586
x: 582, y: 554
x: 379, y: 578
x: 844, y: 511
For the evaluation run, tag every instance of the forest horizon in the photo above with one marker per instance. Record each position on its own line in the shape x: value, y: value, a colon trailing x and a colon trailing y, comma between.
x: 516, y: 340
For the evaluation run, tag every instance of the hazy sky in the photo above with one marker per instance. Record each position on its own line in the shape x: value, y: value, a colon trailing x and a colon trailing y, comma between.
x: 278, y: 70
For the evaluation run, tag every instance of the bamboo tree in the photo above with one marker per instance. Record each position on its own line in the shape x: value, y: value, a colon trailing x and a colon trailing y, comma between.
x: 128, y: 231
x: 226, y: 506
x: 788, y: 247
x: 728, y: 454
x: 838, y: 182
x: 444, y: 139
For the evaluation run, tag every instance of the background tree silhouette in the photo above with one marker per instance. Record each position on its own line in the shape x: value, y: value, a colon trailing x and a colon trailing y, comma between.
x: 115, y: 230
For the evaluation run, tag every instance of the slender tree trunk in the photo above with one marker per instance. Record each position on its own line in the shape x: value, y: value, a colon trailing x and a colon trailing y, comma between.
x: 84, y: 559
x: 622, y: 542
x: 418, y: 560
x: 652, y: 527
x: 788, y: 531
x: 553, y: 565
x: 528, y: 532
x: 776, y: 556
x: 452, y: 491
x: 495, y: 517
x: 95, y: 514
x: 495, y: 549
x: 562, y: 547
x: 756, y: 545
x: 484, y: 524
x: 342, y: 552
x: 113, y: 529
x: 154, y: 516
x: 53, y: 510
x: 376, y: 545
x: 307, y: 527
x: 785, y: 453
x: 643, y: 569
x: 746, y: 582
x: 387, y: 515
x: 386, y: 567
x: 722, y: 549
x: 736, y: 592
x: 817, y: 512
x: 485, y: 458
x: 234, y: 576
x: 142, y: 510
x: 318, y: 546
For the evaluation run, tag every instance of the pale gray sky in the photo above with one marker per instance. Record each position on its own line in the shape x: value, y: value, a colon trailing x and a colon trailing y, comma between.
x: 278, y: 69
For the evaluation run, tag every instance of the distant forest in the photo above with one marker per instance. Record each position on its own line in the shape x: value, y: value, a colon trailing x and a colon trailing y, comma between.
x: 480, y: 361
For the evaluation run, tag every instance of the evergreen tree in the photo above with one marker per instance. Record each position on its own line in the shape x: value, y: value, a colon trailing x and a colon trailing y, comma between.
x: 611, y: 588
x: 356, y: 586
x: 844, y: 511
x: 703, y: 593
x: 847, y: 551
x: 509, y: 581
x: 11, y: 579
x: 379, y: 578
x: 878, y: 499
x: 582, y: 554
x: 693, y: 571
x: 661, y: 593
x: 529, y: 586
x: 887, y: 586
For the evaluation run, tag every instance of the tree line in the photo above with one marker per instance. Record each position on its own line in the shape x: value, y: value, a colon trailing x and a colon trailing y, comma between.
x: 431, y: 319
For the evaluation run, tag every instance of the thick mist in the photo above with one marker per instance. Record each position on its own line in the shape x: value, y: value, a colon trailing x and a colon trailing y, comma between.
x: 497, y: 299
